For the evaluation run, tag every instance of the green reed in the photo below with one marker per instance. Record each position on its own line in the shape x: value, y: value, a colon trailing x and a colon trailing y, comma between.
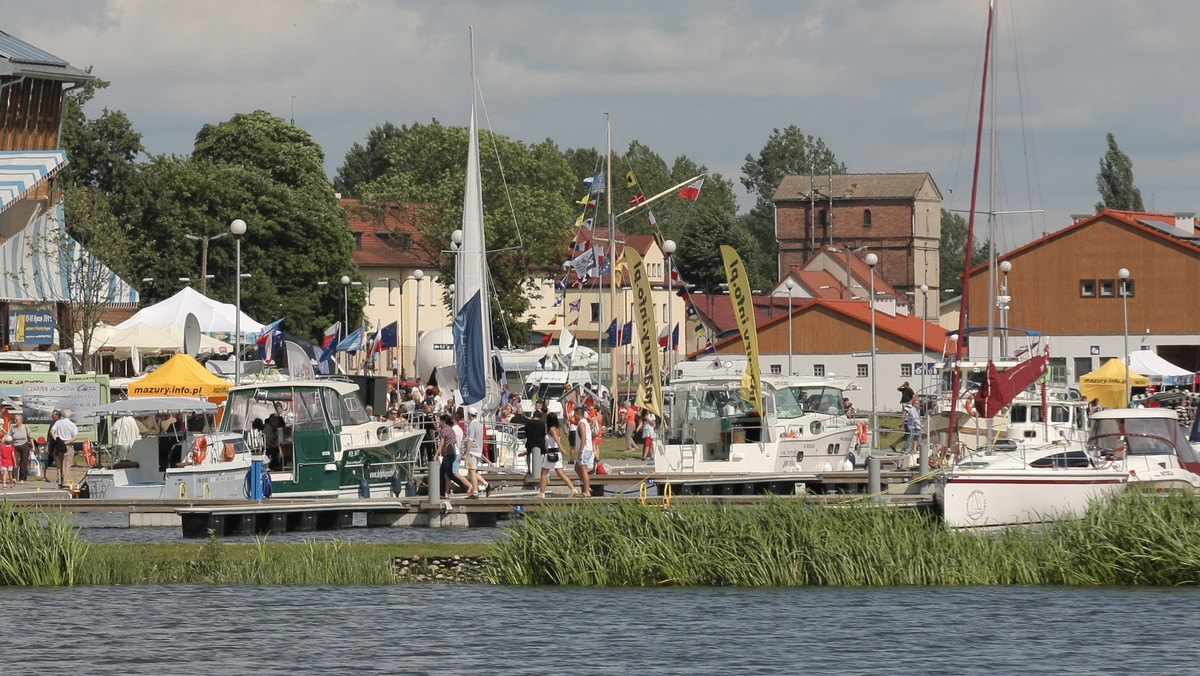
x: 783, y: 542
x: 331, y: 562
x: 38, y: 549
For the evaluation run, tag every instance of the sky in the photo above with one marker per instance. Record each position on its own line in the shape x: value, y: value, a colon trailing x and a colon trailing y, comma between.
x: 889, y: 85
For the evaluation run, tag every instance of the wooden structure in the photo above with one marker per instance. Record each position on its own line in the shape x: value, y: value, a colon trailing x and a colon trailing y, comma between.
x: 33, y: 89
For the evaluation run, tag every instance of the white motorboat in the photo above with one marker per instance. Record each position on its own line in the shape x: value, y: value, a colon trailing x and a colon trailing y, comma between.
x: 1006, y: 485
x: 1152, y: 444
x: 166, y: 464
x: 803, y: 427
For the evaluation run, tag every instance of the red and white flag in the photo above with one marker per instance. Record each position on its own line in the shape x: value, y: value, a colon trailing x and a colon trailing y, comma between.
x: 692, y: 191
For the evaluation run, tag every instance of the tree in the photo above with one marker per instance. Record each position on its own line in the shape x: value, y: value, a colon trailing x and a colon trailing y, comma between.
x: 952, y: 251
x: 1115, y: 181
x: 261, y: 169
x: 787, y: 152
x: 426, y: 164
x: 364, y: 164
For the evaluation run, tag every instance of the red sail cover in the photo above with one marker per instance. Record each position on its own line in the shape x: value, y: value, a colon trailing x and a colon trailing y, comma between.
x: 1001, y: 388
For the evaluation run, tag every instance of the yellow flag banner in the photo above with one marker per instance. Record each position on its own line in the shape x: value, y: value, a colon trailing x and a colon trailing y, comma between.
x: 650, y: 388
x: 743, y: 310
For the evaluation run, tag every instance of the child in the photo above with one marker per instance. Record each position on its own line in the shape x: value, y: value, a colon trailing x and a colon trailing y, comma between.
x: 8, y: 455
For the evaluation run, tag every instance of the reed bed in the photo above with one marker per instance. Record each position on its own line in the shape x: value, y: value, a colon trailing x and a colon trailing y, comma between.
x: 325, y: 562
x: 38, y: 550
x: 1132, y: 540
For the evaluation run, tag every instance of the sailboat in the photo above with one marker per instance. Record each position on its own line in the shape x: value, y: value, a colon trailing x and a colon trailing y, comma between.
x: 998, y: 486
x: 477, y: 382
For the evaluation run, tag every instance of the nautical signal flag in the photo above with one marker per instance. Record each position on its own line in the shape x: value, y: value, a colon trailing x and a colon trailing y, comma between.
x: 573, y: 306
x: 630, y: 180
x: 638, y: 198
x: 595, y: 183
x: 650, y: 219
x: 554, y: 320
x: 692, y: 191
x: 546, y: 340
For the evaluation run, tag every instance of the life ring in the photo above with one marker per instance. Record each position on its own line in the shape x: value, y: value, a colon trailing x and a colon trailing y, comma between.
x: 862, y: 432
x: 969, y: 404
x: 89, y: 454
x: 199, y: 450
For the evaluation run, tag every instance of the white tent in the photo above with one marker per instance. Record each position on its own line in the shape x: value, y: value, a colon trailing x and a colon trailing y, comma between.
x: 146, y: 339
x: 1158, y: 370
x: 214, y: 316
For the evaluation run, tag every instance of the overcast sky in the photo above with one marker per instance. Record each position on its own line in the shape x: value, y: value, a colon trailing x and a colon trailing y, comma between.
x: 891, y: 86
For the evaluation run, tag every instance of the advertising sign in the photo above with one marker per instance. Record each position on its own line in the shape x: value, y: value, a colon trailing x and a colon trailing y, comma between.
x: 39, y: 400
x: 30, y: 326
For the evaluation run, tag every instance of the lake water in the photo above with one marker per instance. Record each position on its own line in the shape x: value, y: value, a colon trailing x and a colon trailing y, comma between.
x: 496, y: 631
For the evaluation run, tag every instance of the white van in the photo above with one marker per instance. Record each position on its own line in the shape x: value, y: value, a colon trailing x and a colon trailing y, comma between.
x: 552, y: 385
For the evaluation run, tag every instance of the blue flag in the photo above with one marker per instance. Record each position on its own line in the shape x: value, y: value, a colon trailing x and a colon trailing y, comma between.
x: 611, y: 334
x: 387, y: 336
x: 470, y: 352
x: 627, y: 333
x: 353, y: 342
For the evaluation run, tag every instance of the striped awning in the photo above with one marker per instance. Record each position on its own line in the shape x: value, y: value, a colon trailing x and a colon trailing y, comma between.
x: 39, y: 262
x: 22, y: 170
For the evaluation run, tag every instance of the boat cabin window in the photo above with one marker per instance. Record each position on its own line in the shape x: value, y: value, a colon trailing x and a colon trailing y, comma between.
x: 709, y: 404
x: 796, y: 401
x: 1065, y: 459
x: 1137, y: 436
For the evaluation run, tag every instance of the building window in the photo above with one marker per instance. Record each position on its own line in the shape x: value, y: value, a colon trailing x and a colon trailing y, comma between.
x: 821, y: 218
x: 862, y: 371
x: 906, y: 370
x: 776, y: 369
x: 1127, y: 288
x: 866, y: 218
x: 1108, y: 288
x: 358, y: 241
x: 595, y: 312
x: 819, y: 370
x: 1087, y: 288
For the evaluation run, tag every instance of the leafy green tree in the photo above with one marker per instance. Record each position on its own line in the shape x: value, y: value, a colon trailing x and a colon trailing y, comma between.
x: 103, y: 152
x: 787, y: 152
x: 952, y: 251
x: 260, y: 169
x: 427, y: 164
x: 364, y: 164
x: 1115, y: 181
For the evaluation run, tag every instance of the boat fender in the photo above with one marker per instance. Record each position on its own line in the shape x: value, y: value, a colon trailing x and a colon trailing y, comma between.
x: 397, y: 484
x: 182, y: 491
x: 89, y: 454
x: 199, y: 450
x: 364, y: 486
x: 848, y: 465
x: 851, y: 459
x: 827, y: 467
x: 862, y: 432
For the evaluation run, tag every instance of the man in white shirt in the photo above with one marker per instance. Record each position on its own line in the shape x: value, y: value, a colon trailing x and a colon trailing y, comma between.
x: 474, y: 453
x: 64, y: 432
x: 125, y: 433
x: 585, y: 451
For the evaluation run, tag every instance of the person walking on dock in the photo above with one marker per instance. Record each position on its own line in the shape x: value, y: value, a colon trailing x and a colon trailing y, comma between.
x: 912, y: 425
x: 447, y: 454
x: 23, y: 442
x: 474, y: 454
x: 906, y: 393
x: 64, y: 432
x: 585, y: 451
x: 552, y: 459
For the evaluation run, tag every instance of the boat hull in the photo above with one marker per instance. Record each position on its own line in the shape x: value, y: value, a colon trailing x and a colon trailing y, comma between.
x: 217, y: 481
x: 983, y: 499
x: 383, y: 465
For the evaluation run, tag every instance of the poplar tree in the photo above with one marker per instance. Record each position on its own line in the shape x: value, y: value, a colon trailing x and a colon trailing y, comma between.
x: 1115, y: 181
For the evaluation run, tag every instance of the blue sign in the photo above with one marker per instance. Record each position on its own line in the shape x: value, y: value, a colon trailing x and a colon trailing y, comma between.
x: 30, y: 326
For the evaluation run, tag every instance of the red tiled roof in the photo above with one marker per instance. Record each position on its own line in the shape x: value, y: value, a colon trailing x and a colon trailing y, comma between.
x: 393, y: 241
x: 813, y: 281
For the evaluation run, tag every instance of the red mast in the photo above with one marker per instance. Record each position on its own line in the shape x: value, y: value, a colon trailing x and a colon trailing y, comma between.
x: 962, y: 315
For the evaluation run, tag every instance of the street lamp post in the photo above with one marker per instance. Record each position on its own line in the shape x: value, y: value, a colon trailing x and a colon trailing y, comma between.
x: 399, y: 316
x: 668, y: 249
x: 873, y: 260
x: 924, y: 363
x: 1123, y: 273
x: 204, y: 257
x: 1002, y: 301
x: 790, y: 284
x: 417, y: 275
x: 238, y: 228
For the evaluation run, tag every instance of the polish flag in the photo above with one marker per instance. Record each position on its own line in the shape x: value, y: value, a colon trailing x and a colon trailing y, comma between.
x: 692, y: 191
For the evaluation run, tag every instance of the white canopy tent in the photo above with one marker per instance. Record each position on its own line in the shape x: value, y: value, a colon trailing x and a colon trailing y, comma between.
x: 214, y: 316
x: 147, y: 340
x: 1159, y: 370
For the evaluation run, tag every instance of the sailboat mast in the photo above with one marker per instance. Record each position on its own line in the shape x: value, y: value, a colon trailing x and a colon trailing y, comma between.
x: 991, y: 313
x: 952, y: 432
x: 612, y: 252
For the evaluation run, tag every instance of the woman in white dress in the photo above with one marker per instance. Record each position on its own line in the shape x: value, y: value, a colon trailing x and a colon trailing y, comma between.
x: 553, y: 457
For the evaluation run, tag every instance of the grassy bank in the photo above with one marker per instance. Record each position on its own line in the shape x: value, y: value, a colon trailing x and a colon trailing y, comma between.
x: 1129, y: 541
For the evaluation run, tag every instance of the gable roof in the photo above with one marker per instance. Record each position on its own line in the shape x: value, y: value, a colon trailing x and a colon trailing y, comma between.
x: 857, y: 186
x: 393, y: 241
x: 1155, y: 225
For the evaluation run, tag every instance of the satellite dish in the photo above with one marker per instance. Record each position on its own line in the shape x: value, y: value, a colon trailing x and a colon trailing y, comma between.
x: 191, y: 335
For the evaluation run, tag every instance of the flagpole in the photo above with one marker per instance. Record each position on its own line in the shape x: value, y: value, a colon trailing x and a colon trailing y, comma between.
x: 648, y: 202
x: 612, y: 270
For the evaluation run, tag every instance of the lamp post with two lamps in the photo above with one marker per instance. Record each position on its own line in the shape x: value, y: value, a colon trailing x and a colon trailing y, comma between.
x: 238, y: 228
x: 399, y: 316
x: 1002, y: 302
x: 873, y: 260
x: 204, y: 256
x: 668, y: 249
x: 417, y: 276
x: 1123, y: 273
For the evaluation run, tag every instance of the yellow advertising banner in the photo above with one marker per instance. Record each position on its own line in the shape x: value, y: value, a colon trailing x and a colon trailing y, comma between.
x: 650, y: 395
x: 743, y: 310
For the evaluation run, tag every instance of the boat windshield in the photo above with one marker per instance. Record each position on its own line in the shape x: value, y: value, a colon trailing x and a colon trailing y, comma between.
x: 709, y: 404
x: 1137, y: 436
x: 794, y: 402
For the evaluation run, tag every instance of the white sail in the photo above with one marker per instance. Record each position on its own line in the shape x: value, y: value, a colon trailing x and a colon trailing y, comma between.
x: 472, y: 308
